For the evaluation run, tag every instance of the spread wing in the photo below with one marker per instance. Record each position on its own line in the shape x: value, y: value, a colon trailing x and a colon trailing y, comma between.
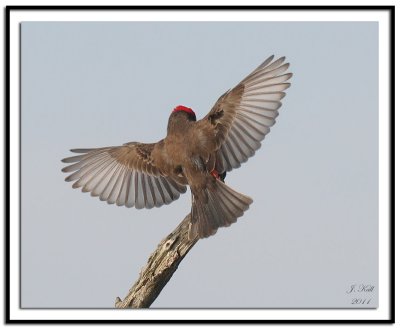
x: 124, y: 175
x: 242, y: 116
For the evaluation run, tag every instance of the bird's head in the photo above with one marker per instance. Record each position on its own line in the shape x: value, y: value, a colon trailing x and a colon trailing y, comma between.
x: 186, y: 111
x: 180, y: 118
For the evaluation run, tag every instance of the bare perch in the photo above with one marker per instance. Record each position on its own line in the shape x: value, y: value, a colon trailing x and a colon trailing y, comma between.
x: 160, y: 267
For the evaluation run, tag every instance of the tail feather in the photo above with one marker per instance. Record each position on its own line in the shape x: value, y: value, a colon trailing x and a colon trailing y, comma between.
x: 215, y: 206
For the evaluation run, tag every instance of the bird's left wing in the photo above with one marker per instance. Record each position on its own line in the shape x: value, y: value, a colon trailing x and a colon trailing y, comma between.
x: 124, y: 175
x: 242, y: 116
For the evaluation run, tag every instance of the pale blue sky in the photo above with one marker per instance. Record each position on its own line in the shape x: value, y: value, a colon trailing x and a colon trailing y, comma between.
x: 312, y: 230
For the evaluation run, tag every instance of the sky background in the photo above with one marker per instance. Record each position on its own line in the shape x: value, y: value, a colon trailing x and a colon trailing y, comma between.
x: 312, y: 230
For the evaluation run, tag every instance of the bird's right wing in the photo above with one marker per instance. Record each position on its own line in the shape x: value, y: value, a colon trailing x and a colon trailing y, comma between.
x: 124, y: 175
x: 242, y: 116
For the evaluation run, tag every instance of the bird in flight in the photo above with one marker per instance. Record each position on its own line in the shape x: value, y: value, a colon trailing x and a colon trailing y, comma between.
x: 195, y: 153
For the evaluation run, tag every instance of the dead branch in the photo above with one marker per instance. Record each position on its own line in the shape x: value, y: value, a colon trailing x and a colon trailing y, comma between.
x: 160, y: 267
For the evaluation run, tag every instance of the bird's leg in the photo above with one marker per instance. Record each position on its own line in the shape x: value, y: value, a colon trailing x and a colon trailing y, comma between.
x: 218, y: 176
x: 215, y: 174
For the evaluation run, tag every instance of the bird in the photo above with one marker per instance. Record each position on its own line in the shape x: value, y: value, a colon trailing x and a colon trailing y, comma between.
x: 195, y: 154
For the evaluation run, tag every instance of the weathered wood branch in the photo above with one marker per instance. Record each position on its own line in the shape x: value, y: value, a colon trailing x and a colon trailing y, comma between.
x: 160, y: 267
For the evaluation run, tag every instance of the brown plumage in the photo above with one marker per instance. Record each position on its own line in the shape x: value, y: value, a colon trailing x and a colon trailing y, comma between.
x: 194, y: 153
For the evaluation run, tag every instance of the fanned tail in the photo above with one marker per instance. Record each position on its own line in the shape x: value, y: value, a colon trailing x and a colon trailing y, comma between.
x: 215, y: 206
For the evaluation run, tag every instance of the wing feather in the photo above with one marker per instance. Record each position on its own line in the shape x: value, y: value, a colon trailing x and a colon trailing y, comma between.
x: 243, y: 116
x: 122, y: 175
